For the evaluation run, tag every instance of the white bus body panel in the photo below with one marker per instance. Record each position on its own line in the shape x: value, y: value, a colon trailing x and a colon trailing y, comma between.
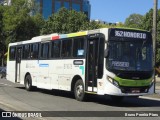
x: 58, y: 74
x: 11, y: 71
x: 50, y: 74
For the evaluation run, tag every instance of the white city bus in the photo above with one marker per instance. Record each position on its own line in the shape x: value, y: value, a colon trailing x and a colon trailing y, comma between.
x: 108, y: 61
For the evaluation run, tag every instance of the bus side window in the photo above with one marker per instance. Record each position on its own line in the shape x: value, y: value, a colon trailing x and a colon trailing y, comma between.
x: 34, y: 51
x: 12, y: 53
x: 44, y: 50
x: 55, y: 49
x: 66, y: 48
x: 26, y: 52
x: 78, y: 47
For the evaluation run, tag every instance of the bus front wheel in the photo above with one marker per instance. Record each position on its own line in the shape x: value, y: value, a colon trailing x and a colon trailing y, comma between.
x: 79, y: 90
x: 28, y: 83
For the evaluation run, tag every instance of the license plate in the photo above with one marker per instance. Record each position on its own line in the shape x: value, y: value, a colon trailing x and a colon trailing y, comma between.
x: 135, y: 91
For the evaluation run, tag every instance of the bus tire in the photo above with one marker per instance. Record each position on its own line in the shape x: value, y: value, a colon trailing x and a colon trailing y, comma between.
x: 28, y: 83
x: 79, y: 90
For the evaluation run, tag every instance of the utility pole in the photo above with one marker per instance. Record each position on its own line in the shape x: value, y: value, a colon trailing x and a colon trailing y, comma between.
x: 154, y: 35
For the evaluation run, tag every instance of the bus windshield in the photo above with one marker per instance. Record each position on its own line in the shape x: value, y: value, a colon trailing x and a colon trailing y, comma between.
x: 130, y: 56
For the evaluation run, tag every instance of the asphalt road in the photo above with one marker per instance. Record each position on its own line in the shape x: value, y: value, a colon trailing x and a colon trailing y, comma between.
x: 13, y: 97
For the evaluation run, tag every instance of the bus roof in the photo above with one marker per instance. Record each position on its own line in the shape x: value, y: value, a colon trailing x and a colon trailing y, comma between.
x: 131, y: 28
x: 56, y: 36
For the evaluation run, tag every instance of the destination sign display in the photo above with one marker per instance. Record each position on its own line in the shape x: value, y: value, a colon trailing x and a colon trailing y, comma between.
x: 127, y: 34
x: 116, y: 33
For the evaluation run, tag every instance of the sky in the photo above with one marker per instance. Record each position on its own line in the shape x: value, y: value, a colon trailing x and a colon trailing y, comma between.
x: 118, y: 10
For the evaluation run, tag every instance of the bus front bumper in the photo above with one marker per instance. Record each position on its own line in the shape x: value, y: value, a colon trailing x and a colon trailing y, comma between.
x: 112, y: 89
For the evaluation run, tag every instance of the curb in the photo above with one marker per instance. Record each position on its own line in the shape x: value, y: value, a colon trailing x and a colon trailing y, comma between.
x: 150, y: 98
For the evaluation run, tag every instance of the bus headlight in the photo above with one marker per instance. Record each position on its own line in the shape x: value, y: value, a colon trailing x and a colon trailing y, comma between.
x: 112, y: 81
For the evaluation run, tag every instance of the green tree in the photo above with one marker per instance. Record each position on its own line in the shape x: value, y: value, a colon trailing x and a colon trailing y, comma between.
x: 1, y: 24
x: 148, y: 20
x: 148, y: 25
x: 18, y: 23
x: 120, y: 24
x: 2, y: 36
x: 67, y: 21
x: 39, y: 23
x: 134, y: 21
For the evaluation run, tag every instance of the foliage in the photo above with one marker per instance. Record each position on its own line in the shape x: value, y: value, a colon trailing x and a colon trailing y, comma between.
x: 18, y: 24
x: 148, y: 25
x: 146, y: 22
x: 39, y: 23
x: 67, y: 21
x: 1, y: 24
x: 134, y: 21
x: 120, y: 24
x: 21, y: 21
x: 2, y: 38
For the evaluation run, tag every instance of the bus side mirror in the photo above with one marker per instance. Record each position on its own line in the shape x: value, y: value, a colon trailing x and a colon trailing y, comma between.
x: 106, y: 53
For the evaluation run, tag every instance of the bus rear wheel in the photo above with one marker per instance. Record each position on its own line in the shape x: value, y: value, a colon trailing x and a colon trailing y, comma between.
x: 28, y: 83
x: 79, y: 90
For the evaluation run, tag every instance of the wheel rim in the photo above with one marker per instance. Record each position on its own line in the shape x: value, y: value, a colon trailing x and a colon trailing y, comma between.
x: 79, y: 90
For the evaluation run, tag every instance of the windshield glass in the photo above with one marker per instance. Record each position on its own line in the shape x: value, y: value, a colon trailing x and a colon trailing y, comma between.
x: 130, y: 56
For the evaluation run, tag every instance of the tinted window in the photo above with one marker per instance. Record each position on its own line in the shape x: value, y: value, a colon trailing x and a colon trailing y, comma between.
x: 26, y: 51
x: 57, y: 6
x: 12, y: 53
x: 76, y: 7
x: 78, y: 47
x: 66, y: 48
x: 47, y: 8
x: 34, y: 51
x: 55, y: 49
x: 87, y: 8
x: 44, y: 50
x: 66, y: 5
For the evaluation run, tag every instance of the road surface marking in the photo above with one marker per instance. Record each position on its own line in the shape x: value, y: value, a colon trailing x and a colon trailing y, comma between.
x: 5, y: 84
x: 150, y: 98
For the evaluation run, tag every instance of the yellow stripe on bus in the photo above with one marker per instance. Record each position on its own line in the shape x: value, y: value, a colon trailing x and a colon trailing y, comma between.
x: 77, y: 34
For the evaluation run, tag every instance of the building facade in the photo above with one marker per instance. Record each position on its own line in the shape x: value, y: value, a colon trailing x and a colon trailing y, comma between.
x: 48, y: 7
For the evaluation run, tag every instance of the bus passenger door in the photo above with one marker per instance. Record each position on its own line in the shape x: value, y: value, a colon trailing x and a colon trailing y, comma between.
x: 94, y: 62
x: 18, y: 64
